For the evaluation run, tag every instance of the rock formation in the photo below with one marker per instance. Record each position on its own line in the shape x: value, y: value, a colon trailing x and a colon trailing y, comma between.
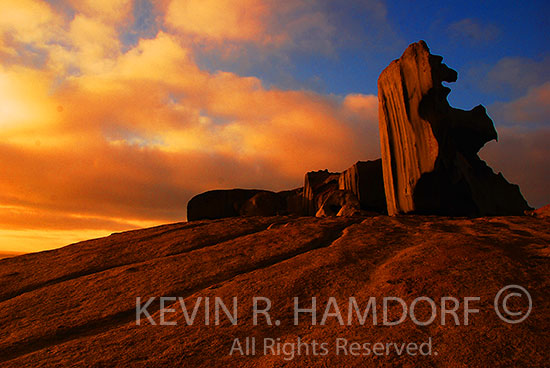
x: 216, y: 204
x: 359, y: 188
x: 339, y: 203
x: 263, y: 204
x: 317, y: 186
x: 429, y: 149
x: 543, y: 212
x: 429, y: 165
x: 293, y: 201
x: 365, y: 180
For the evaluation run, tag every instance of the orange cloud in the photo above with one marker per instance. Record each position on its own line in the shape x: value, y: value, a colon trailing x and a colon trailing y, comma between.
x: 24, y: 103
x: 109, y: 11
x: 531, y: 108
x: 127, y: 142
x: 27, y: 21
x: 268, y: 23
x: 522, y: 150
x: 522, y: 156
x: 220, y: 19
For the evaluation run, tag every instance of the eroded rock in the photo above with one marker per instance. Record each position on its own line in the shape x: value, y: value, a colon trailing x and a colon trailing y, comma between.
x: 293, y: 201
x: 429, y: 149
x: 543, y: 212
x: 317, y: 186
x: 365, y: 180
x: 217, y: 204
x: 339, y: 203
x: 264, y: 204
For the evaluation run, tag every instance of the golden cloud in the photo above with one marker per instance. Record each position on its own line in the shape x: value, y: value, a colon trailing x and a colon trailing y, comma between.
x: 534, y: 107
x: 132, y: 136
x: 220, y: 19
x: 267, y: 23
x: 27, y: 21
x: 109, y: 11
x: 521, y: 154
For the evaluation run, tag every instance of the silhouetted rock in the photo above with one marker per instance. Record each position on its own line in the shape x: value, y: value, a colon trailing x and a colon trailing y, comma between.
x: 365, y: 180
x: 317, y: 186
x: 217, y: 204
x: 264, y: 204
x: 293, y: 201
x: 429, y: 149
x: 322, y: 195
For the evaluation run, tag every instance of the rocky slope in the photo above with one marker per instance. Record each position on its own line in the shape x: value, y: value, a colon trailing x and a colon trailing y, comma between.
x: 76, y: 306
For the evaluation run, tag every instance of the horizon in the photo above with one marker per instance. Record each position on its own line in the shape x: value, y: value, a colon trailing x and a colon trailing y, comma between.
x: 116, y: 113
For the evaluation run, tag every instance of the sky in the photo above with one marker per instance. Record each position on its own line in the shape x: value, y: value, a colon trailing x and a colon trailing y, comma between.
x: 114, y: 113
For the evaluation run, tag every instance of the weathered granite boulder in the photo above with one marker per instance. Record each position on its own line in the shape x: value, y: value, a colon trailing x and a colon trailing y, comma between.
x: 293, y: 201
x: 339, y: 203
x: 365, y: 180
x: 216, y: 204
x: 264, y: 204
x: 543, y: 212
x: 317, y: 186
x: 429, y: 149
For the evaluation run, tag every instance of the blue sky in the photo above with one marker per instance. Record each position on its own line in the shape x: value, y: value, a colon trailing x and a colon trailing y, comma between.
x: 471, y: 35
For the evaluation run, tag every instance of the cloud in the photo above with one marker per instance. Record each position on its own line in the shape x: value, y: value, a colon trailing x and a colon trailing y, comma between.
x: 26, y: 27
x: 533, y: 108
x: 132, y: 136
x: 513, y: 76
x: 300, y: 44
x: 27, y: 21
x: 522, y: 150
x: 521, y: 154
x: 272, y: 31
x: 109, y: 11
x: 269, y: 23
x: 220, y: 19
x: 473, y: 30
x: 93, y: 44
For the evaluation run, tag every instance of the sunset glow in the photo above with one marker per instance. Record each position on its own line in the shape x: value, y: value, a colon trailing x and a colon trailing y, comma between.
x: 114, y: 113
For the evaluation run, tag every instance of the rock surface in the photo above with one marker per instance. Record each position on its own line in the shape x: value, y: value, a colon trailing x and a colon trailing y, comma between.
x: 76, y: 306
x: 429, y: 149
x: 218, y: 204
x: 366, y: 181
